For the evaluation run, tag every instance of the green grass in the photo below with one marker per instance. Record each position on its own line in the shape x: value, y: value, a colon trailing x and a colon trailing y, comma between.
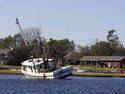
x: 11, y: 72
x: 10, y: 67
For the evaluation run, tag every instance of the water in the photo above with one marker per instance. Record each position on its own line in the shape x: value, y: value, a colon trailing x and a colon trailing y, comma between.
x: 16, y: 84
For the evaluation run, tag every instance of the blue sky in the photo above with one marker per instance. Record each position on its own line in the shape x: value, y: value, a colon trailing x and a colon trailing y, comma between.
x: 80, y: 20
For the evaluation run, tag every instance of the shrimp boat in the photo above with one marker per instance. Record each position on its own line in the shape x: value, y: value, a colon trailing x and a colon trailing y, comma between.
x: 46, y: 68
x: 34, y: 68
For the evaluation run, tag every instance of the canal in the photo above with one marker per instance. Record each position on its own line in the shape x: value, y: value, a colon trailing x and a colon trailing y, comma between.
x: 18, y: 84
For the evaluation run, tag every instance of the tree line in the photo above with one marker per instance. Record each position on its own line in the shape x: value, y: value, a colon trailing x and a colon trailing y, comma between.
x: 20, y: 52
x: 111, y: 47
x: 59, y: 48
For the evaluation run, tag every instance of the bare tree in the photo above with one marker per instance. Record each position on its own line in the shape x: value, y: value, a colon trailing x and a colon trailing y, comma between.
x: 31, y: 34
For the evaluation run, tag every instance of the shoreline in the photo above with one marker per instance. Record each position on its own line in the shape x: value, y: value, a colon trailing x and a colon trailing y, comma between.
x: 10, y: 72
x: 84, y: 74
x: 89, y: 74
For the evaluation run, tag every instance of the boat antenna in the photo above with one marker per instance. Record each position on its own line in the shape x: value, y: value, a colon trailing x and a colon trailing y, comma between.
x: 17, y: 22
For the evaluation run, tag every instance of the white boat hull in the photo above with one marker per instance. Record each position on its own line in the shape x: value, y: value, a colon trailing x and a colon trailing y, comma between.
x: 60, y: 73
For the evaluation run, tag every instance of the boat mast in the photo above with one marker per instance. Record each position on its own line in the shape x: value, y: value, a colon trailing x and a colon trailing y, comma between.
x: 49, y: 49
x: 40, y: 43
x: 23, y: 36
x: 41, y: 50
x: 17, y: 22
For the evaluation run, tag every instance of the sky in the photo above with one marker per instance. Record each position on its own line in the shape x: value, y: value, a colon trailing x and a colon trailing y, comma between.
x: 83, y: 21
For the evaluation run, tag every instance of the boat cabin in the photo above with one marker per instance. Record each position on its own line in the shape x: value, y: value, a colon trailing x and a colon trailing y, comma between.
x: 36, y: 65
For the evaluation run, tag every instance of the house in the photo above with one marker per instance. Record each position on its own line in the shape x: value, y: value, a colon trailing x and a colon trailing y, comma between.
x: 4, y: 51
x: 3, y: 56
x: 103, y: 61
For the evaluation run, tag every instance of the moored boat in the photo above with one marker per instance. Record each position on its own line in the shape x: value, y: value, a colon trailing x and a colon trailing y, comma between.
x: 35, y: 68
x: 43, y: 67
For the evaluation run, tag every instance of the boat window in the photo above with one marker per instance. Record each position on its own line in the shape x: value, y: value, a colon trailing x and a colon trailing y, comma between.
x: 31, y: 69
x: 24, y: 67
x: 29, y: 66
x: 30, y: 61
x: 38, y: 61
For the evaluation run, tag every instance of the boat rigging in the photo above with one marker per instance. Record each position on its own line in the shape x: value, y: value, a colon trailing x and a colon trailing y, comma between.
x: 43, y: 67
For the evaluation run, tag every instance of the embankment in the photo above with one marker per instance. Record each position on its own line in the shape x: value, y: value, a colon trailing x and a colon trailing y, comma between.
x: 89, y: 74
x: 11, y: 72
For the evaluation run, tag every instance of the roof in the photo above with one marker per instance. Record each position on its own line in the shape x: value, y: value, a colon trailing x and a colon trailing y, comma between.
x: 35, y: 61
x: 102, y: 58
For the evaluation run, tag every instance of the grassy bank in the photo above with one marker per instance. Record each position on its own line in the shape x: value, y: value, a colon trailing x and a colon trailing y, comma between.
x: 7, y: 67
x: 15, y: 70
x: 94, y: 69
x: 11, y: 72
x: 99, y: 74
